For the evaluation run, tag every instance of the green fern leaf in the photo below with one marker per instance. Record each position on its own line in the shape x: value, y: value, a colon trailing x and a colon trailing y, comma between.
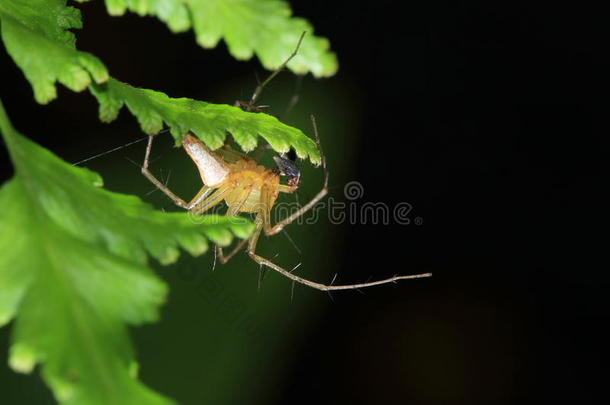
x: 36, y: 35
x: 73, y: 273
x: 209, y: 122
x: 262, y: 27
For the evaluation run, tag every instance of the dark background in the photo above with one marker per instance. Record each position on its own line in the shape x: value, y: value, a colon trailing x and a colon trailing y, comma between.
x: 479, y: 115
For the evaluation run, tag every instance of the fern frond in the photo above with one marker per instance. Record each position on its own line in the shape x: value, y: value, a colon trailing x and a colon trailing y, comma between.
x: 74, y: 273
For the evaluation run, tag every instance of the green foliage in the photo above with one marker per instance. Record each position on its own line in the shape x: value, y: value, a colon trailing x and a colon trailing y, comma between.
x: 262, y: 27
x: 73, y: 272
x: 36, y: 36
x: 35, y: 33
x: 208, y: 121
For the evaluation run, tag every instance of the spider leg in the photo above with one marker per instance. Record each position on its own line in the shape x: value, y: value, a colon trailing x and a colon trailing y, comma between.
x: 262, y: 221
x: 213, y: 199
x: 260, y: 87
x: 239, y: 197
x: 199, y: 197
x: 177, y: 200
x: 224, y: 259
x: 294, y: 99
x: 287, y: 189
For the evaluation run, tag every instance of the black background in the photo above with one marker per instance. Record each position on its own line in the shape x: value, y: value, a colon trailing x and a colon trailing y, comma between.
x: 481, y: 116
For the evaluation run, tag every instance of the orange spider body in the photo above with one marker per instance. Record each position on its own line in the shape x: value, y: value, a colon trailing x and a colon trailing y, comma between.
x: 234, y: 178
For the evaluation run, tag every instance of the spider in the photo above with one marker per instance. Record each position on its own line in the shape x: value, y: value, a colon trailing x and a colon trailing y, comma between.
x: 248, y: 187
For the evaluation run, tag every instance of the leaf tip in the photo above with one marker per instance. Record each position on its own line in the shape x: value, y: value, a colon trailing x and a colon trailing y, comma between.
x: 133, y: 369
x: 207, y: 41
x: 44, y: 92
x: 169, y: 256
x: 243, y: 230
x: 22, y: 358
x: 115, y: 8
x: 62, y: 389
x: 5, y: 317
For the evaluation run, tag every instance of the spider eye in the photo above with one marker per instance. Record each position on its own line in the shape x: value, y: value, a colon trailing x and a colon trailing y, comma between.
x: 287, y: 167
